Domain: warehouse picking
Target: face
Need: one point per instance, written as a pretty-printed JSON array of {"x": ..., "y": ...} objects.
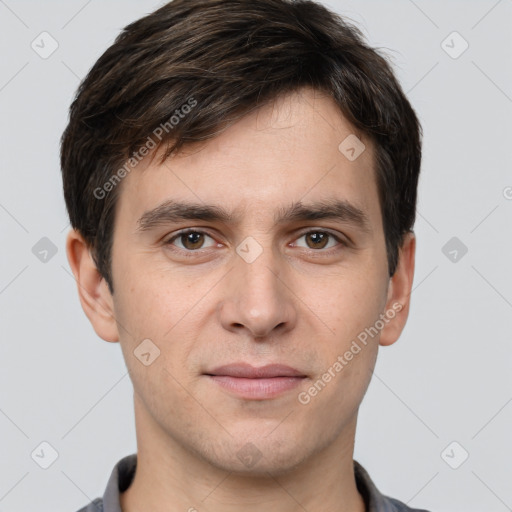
[{"x": 254, "y": 316}]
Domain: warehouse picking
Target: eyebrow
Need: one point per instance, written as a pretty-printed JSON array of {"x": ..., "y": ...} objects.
[{"x": 172, "y": 211}]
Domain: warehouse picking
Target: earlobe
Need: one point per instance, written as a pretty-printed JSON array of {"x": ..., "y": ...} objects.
[
  {"x": 94, "y": 294},
  {"x": 399, "y": 292}
]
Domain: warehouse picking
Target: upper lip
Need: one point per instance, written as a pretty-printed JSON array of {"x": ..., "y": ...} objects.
[{"x": 245, "y": 370}]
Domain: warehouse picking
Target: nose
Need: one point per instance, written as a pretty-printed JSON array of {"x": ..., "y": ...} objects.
[{"x": 258, "y": 298}]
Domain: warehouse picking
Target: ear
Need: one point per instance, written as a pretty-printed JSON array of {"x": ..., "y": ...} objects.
[
  {"x": 95, "y": 297},
  {"x": 399, "y": 292}
]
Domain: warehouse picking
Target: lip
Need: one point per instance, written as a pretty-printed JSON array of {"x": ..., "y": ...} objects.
[
  {"x": 256, "y": 383},
  {"x": 247, "y": 371}
]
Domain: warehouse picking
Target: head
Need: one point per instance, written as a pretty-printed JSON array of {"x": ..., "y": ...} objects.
[{"x": 275, "y": 132}]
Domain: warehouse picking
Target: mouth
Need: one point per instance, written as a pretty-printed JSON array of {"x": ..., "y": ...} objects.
[{"x": 253, "y": 383}]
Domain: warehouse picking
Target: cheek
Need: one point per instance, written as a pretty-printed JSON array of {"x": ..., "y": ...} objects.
[
  {"x": 353, "y": 352},
  {"x": 347, "y": 304},
  {"x": 156, "y": 330},
  {"x": 156, "y": 304},
  {"x": 349, "y": 352},
  {"x": 149, "y": 300}
]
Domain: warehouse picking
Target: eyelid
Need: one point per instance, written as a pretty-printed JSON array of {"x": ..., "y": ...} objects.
[
  {"x": 177, "y": 234},
  {"x": 335, "y": 234},
  {"x": 342, "y": 242}
]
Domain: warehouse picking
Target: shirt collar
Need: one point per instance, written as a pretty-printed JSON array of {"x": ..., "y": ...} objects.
[{"x": 120, "y": 479}]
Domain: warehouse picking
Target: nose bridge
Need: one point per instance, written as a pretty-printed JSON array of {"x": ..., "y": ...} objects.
[
  {"x": 258, "y": 300},
  {"x": 257, "y": 268}
]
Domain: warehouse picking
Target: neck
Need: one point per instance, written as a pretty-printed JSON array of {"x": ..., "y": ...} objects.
[{"x": 170, "y": 478}]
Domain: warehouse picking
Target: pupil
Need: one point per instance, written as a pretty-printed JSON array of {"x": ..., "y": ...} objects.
[
  {"x": 192, "y": 238},
  {"x": 319, "y": 238}
]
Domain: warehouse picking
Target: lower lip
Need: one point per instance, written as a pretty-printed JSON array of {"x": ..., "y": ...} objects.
[{"x": 257, "y": 389}]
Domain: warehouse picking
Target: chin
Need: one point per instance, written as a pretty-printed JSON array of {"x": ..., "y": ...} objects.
[{"x": 257, "y": 457}]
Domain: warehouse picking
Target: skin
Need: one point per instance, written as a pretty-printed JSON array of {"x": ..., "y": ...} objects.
[{"x": 298, "y": 303}]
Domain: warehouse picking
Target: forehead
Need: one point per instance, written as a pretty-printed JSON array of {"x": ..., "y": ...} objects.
[{"x": 299, "y": 148}]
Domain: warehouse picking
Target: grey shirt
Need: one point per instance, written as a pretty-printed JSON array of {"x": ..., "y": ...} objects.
[{"x": 124, "y": 471}]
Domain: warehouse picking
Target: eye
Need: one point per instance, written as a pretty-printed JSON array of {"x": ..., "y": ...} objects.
[
  {"x": 319, "y": 239},
  {"x": 191, "y": 240}
]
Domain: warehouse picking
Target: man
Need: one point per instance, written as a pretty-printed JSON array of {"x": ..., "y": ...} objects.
[{"x": 241, "y": 179}]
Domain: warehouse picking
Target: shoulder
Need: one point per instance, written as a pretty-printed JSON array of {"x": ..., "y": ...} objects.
[
  {"x": 95, "y": 506},
  {"x": 374, "y": 500},
  {"x": 398, "y": 506}
]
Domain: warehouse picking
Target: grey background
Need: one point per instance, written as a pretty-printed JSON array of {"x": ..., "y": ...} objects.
[{"x": 447, "y": 379}]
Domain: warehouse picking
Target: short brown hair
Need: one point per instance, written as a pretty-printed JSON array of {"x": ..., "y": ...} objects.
[{"x": 230, "y": 56}]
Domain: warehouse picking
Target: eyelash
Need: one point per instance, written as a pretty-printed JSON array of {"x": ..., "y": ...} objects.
[{"x": 192, "y": 253}]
